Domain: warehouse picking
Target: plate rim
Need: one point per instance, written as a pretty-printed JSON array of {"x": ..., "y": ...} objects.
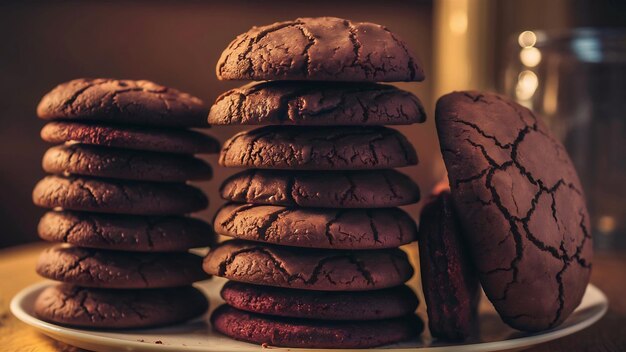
[{"x": 85, "y": 336}]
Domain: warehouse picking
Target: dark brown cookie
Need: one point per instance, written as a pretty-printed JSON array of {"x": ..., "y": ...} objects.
[
  {"x": 323, "y": 48},
  {"x": 521, "y": 206},
  {"x": 128, "y": 137},
  {"x": 319, "y": 148},
  {"x": 119, "y": 309},
  {"x": 86, "y": 160},
  {"x": 112, "y": 196},
  {"x": 317, "y": 227},
  {"x": 287, "y": 302},
  {"x": 292, "y": 267},
  {"x": 449, "y": 280},
  {"x": 112, "y": 269},
  {"x": 304, "y": 333},
  {"x": 125, "y": 232},
  {"x": 316, "y": 103},
  {"x": 122, "y": 101},
  {"x": 329, "y": 189}
]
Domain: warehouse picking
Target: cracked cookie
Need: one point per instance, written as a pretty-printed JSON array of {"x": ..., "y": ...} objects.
[
  {"x": 319, "y": 49},
  {"x": 111, "y": 269},
  {"x": 320, "y": 148},
  {"x": 305, "y": 333},
  {"x": 521, "y": 206},
  {"x": 316, "y": 104},
  {"x": 311, "y": 269},
  {"x": 86, "y": 160},
  {"x": 122, "y": 101},
  {"x": 168, "y": 140},
  {"x": 113, "y": 196},
  {"x": 328, "y": 189},
  {"x": 126, "y": 232},
  {"x": 449, "y": 281},
  {"x": 348, "y": 305},
  {"x": 316, "y": 227},
  {"x": 119, "y": 309}
]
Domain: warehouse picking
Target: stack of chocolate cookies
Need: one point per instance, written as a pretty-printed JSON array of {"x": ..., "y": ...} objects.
[
  {"x": 316, "y": 262},
  {"x": 120, "y": 196}
]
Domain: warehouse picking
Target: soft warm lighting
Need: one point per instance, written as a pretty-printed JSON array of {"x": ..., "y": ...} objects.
[
  {"x": 458, "y": 22},
  {"x": 527, "y": 39},
  {"x": 527, "y": 83},
  {"x": 530, "y": 56},
  {"x": 606, "y": 224}
]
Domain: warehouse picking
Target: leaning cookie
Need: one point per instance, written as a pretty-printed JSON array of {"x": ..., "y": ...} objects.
[
  {"x": 111, "y": 269},
  {"x": 521, "y": 207},
  {"x": 122, "y": 101},
  {"x": 316, "y": 104},
  {"x": 168, "y": 140},
  {"x": 113, "y": 196},
  {"x": 326, "y": 189},
  {"x": 449, "y": 280},
  {"x": 317, "y": 227},
  {"x": 126, "y": 232},
  {"x": 93, "y": 308},
  {"x": 323, "y": 48},
  {"x": 321, "y": 148},
  {"x": 86, "y": 160},
  {"x": 292, "y": 267},
  {"x": 304, "y": 333},
  {"x": 329, "y": 305}
]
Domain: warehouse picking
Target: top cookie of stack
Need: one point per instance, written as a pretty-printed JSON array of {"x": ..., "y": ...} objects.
[
  {"x": 321, "y": 180},
  {"x": 119, "y": 196}
]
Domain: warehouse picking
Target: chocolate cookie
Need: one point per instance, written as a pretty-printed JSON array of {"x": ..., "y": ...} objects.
[
  {"x": 449, "y": 280},
  {"x": 125, "y": 232},
  {"x": 124, "y": 197},
  {"x": 329, "y": 189},
  {"x": 304, "y": 333},
  {"x": 112, "y": 269},
  {"x": 320, "y": 148},
  {"x": 80, "y": 159},
  {"x": 323, "y": 48},
  {"x": 521, "y": 207},
  {"x": 317, "y": 227},
  {"x": 122, "y": 101},
  {"x": 310, "y": 269},
  {"x": 127, "y": 137},
  {"x": 287, "y": 302},
  {"x": 316, "y": 103},
  {"x": 118, "y": 309}
]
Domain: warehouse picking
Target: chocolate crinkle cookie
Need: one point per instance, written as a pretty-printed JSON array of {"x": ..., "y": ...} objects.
[{"x": 322, "y": 48}]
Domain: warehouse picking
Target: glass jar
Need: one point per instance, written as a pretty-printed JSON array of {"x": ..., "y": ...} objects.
[{"x": 577, "y": 81}]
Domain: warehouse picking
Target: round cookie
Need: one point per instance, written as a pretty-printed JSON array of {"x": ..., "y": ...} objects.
[
  {"x": 111, "y": 269},
  {"x": 112, "y": 196},
  {"x": 86, "y": 160},
  {"x": 125, "y": 232},
  {"x": 168, "y": 140},
  {"x": 449, "y": 280},
  {"x": 320, "y": 148},
  {"x": 118, "y": 309},
  {"x": 303, "y": 333},
  {"x": 365, "y": 305},
  {"x": 316, "y": 104},
  {"x": 122, "y": 101},
  {"x": 310, "y": 269},
  {"x": 316, "y": 227},
  {"x": 327, "y": 189},
  {"x": 521, "y": 206},
  {"x": 323, "y": 48}
]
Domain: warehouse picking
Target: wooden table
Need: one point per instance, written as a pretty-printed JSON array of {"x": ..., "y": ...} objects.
[{"x": 17, "y": 270}]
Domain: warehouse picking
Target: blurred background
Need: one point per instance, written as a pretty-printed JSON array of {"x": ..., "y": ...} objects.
[{"x": 531, "y": 50}]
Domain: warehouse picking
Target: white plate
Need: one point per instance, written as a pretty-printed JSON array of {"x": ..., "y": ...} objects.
[{"x": 197, "y": 335}]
